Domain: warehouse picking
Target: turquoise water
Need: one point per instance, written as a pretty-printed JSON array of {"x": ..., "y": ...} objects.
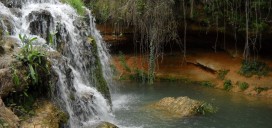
[{"x": 235, "y": 110}]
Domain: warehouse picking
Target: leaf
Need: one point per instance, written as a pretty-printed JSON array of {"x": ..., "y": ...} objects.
[
  {"x": 25, "y": 94},
  {"x": 16, "y": 79},
  {"x": 33, "y": 39},
  {"x": 32, "y": 73},
  {"x": 20, "y": 36},
  {"x": 51, "y": 38}
]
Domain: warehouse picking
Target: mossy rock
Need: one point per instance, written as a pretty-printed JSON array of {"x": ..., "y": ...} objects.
[
  {"x": 101, "y": 83},
  {"x": 183, "y": 107},
  {"x": 106, "y": 125},
  {"x": 47, "y": 115}
]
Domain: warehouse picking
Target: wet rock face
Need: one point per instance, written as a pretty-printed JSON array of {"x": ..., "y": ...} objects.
[
  {"x": 12, "y": 3},
  {"x": 7, "y": 117},
  {"x": 40, "y": 24},
  {"x": 181, "y": 106}
]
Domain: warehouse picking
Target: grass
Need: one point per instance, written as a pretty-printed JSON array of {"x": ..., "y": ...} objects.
[
  {"x": 77, "y": 5},
  {"x": 227, "y": 85},
  {"x": 243, "y": 85},
  {"x": 250, "y": 68}
]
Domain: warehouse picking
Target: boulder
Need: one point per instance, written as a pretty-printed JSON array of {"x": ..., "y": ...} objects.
[
  {"x": 106, "y": 125},
  {"x": 7, "y": 117},
  {"x": 182, "y": 106}
]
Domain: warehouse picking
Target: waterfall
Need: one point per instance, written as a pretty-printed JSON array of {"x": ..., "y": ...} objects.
[{"x": 76, "y": 88}]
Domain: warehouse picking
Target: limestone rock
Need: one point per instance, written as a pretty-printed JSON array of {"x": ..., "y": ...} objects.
[
  {"x": 7, "y": 117},
  {"x": 181, "y": 106},
  {"x": 106, "y": 125}
]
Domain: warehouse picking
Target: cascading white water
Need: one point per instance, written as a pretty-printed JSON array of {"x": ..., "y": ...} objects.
[{"x": 75, "y": 91}]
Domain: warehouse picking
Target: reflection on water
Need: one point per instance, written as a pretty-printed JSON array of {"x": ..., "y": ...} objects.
[{"x": 235, "y": 110}]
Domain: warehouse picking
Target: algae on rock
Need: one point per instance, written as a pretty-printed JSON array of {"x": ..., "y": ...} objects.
[{"x": 100, "y": 82}]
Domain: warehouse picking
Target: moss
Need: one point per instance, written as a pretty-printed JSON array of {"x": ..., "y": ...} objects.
[
  {"x": 60, "y": 116},
  {"x": 101, "y": 83}
]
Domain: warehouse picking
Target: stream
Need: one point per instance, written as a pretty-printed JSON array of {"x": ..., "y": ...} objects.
[{"x": 235, "y": 110}]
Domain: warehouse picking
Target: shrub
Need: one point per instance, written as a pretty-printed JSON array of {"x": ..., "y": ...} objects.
[
  {"x": 139, "y": 75},
  {"x": 227, "y": 85},
  {"x": 250, "y": 68},
  {"x": 207, "y": 84},
  {"x": 222, "y": 74},
  {"x": 123, "y": 62},
  {"x": 260, "y": 89},
  {"x": 243, "y": 86}
]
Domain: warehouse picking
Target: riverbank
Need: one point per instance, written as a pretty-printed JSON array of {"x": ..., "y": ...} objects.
[{"x": 202, "y": 66}]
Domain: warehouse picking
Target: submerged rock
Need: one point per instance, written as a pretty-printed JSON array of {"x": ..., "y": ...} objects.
[
  {"x": 106, "y": 125},
  {"x": 183, "y": 106},
  {"x": 7, "y": 117}
]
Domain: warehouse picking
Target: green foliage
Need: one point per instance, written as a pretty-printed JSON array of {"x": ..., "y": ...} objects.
[
  {"x": 250, "y": 68},
  {"x": 31, "y": 75},
  {"x": 261, "y": 26},
  {"x": 100, "y": 81},
  {"x": 3, "y": 124},
  {"x": 206, "y": 108},
  {"x": 122, "y": 61},
  {"x": 76, "y": 4},
  {"x": 140, "y": 5},
  {"x": 243, "y": 85},
  {"x": 260, "y": 89},
  {"x": 51, "y": 38},
  {"x": 222, "y": 74},
  {"x": 21, "y": 103},
  {"x": 207, "y": 84},
  {"x": 227, "y": 85},
  {"x": 15, "y": 77},
  {"x": 113, "y": 69},
  {"x": 139, "y": 75},
  {"x": 102, "y": 9},
  {"x": 33, "y": 58}
]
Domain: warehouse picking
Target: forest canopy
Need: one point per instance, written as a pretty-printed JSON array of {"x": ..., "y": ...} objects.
[{"x": 157, "y": 22}]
